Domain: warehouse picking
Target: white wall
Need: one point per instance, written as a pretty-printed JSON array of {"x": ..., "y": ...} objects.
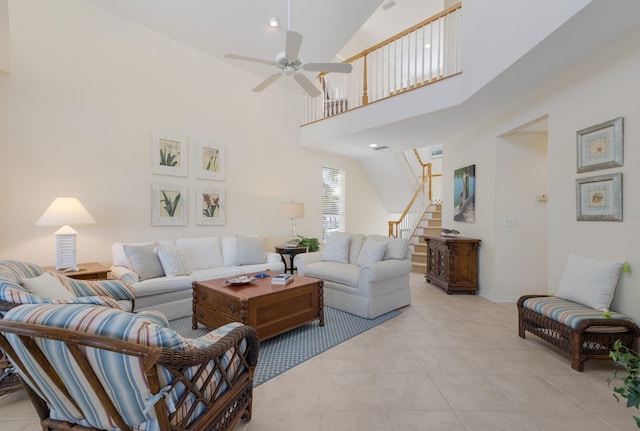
[
  {"x": 597, "y": 89},
  {"x": 4, "y": 35},
  {"x": 487, "y": 53},
  {"x": 521, "y": 175},
  {"x": 85, "y": 92}
]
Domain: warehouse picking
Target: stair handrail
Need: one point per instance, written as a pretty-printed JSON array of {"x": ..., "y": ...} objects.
[
  {"x": 363, "y": 85},
  {"x": 393, "y": 224}
]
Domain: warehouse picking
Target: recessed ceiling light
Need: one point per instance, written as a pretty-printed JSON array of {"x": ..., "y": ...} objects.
[
  {"x": 373, "y": 145},
  {"x": 427, "y": 46},
  {"x": 273, "y": 21}
]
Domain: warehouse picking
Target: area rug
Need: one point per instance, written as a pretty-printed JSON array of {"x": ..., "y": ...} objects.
[{"x": 285, "y": 351}]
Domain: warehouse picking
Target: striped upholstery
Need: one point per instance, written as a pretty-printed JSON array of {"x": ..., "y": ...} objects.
[
  {"x": 567, "y": 312},
  {"x": 97, "y": 292},
  {"x": 121, "y": 375}
]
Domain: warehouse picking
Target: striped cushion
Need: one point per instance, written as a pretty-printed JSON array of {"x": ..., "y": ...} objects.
[
  {"x": 121, "y": 375},
  {"x": 97, "y": 292},
  {"x": 566, "y": 312}
]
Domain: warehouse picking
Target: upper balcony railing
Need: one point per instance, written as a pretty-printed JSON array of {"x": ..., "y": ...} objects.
[{"x": 425, "y": 53}]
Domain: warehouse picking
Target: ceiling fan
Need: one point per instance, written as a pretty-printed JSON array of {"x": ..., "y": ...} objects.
[{"x": 290, "y": 64}]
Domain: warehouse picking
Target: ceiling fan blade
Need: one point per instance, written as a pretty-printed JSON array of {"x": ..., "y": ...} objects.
[
  {"x": 267, "y": 82},
  {"x": 292, "y": 45},
  {"x": 307, "y": 85},
  {"x": 253, "y": 59},
  {"x": 328, "y": 67}
]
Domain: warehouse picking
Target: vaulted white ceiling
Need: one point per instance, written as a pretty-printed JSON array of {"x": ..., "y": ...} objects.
[{"x": 329, "y": 27}]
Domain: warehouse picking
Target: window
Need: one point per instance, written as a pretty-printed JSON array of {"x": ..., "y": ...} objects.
[{"x": 333, "y": 187}]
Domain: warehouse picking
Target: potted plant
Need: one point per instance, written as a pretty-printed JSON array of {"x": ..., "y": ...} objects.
[
  {"x": 312, "y": 244},
  {"x": 630, "y": 388}
]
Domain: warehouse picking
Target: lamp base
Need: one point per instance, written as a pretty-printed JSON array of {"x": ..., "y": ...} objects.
[{"x": 66, "y": 250}]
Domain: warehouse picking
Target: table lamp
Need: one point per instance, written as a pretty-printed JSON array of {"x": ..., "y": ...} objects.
[
  {"x": 65, "y": 211},
  {"x": 292, "y": 210}
]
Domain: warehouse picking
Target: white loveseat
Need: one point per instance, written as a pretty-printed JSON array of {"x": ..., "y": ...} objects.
[
  {"x": 162, "y": 272},
  {"x": 363, "y": 275}
]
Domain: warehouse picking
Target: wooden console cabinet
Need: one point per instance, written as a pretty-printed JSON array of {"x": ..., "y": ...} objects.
[{"x": 452, "y": 263}]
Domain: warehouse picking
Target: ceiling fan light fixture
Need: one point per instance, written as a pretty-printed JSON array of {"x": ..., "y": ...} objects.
[{"x": 273, "y": 21}]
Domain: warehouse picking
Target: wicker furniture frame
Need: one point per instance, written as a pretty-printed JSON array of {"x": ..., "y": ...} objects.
[
  {"x": 579, "y": 343},
  {"x": 221, "y": 413},
  {"x": 9, "y": 380}
]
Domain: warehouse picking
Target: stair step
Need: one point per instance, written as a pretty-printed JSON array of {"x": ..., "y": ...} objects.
[
  {"x": 419, "y": 267},
  {"x": 420, "y": 248},
  {"x": 418, "y": 257}
]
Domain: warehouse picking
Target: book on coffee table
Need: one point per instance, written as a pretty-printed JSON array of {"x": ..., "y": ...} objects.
[{"x": 281, "y": 279}]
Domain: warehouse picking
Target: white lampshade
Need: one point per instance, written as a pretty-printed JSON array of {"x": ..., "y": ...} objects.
[
  {"x": 292, "y": 210},
  {"x": 65, "y": 211}
]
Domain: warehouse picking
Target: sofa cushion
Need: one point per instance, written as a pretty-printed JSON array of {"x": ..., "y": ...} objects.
[
  {"x": 567, "y": 312},
  {"x": 335, "y": 272},
  {"x": 47, "y": 285},
  {"x": 336, "y": 248},
  {"x": 173, "y": 260},
  {"x": 590, "y": 282},
  {"x": 397, "y": 248},
  {"x": 371, "y": 251},
  {"x": 144, "y": 260},
  {"x": 159, "y": 285},
  {"x": 251, "y": 250},
  {"x": 119, "y": 257},
  {"x": 355, "y": 245},
  {"x": 202, "y": 252}
]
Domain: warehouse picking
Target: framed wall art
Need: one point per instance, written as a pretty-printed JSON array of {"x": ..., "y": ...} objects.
[
  {"x": 168, "y": 205},
  {"x": 210, "y": 206},
  {"x": 600, "y": 146},
  {"x": 210, "y": 162},
  {"x": 435, "y": 152},
  {"x": 169, "y": 155},
  {"x": 464, "y": 194},
  {"x": 599, "y": 198}
]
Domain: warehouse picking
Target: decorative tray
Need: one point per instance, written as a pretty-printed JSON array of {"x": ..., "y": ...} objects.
[{"x": 239, "y": 281}]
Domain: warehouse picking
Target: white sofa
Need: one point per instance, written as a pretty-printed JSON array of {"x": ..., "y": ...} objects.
[
  {"x": 162, "y": 272},
  {"x": 363, "y": 275}
]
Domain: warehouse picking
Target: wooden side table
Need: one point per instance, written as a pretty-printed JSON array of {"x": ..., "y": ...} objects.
[
  {"x": 88, "y": 271},
  {"x": 452, "y": 263},
  {"x": 292, "y": 252}
]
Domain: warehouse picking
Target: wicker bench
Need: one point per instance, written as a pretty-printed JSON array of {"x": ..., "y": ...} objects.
[{"x": 582, "y": 332}]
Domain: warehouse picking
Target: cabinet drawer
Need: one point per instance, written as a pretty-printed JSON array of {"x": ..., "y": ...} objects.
[{"x": 223, "y": 304}]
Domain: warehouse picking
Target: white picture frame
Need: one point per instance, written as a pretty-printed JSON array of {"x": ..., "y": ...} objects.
[
  {"x": 211, "y": 161},
  {"x": 168, "y": 204},
  {"x": 210, "y": 206},
  {"x": 169, "y": 154}
]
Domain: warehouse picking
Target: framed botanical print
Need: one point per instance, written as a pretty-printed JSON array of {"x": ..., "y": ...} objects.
[
  {"x": 210, "y": 206},
  {"x": 168, "y": 205},
  {"x": 169, "y": 155},
  {"x": 210, "y": 162}
]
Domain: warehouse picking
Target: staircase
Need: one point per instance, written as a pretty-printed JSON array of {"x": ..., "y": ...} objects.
[{"x": 430, "y": 224}]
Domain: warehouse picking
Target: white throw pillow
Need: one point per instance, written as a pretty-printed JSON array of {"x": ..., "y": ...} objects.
[
  {"x": 371, "y": 251},
  {"x": 202, "y": 253},
  {"x": 47, "y": 285},
  {"x": 336, "y": 249},
  {"x": 144, "y": 261},
  {"x": 590, "y": 282},
  {"x": 173, "y": 260},
  {"x": 251, "y": 250}
]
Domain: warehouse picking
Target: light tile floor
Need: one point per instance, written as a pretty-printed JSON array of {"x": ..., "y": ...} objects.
[{"x": 448, "y": 362}]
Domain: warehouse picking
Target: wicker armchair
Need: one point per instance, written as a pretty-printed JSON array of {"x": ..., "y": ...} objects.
[
  {"x": 92, "y": 368},
  {"x": 112, "y": 293}
]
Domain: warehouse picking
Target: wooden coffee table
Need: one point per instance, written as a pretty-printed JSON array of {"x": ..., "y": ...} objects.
[{"x": 271, "y": 309}]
